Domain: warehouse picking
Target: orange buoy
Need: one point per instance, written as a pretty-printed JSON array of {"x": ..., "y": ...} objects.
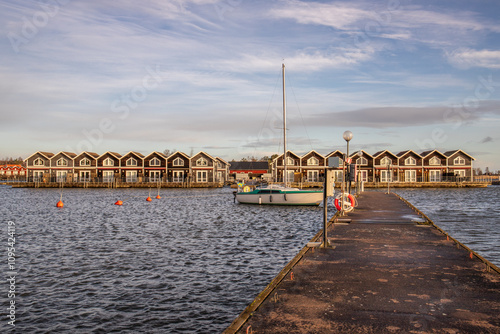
[
  {"x": 158, "y": 196},
  {"x": 118, "y": 202},
  {"x": 60, "y": 204},
  {"x": 148, "y": 199}
]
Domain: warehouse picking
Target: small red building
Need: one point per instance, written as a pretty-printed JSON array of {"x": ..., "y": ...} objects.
[{"x": 12, "y": 171}]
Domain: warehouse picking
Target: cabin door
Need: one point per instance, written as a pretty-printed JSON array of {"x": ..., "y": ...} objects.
[
  {"x": 178, "y": 176},
  {"x": 434, "y": 176},
  {"x": 107, "y": 176},
  {"x": 154, "y": 176},
  {"x": 84, "y": 176},
  {"x": 61, "y": 175},
  {"x": 385, "y": 176},
  {"x": 201, "y": 176},
  {"x": 37, "y": 175},
  {"x": 312, "y": 176},
  {"x": 363, "y": 175},
  {"x": 131, "y": 176},
  {"x": 410, "y": 176}
]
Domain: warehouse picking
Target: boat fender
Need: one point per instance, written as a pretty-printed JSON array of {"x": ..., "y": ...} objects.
[
  {"x": 284, "y": 195},
  {"x": 260, "y": 200},
  {"x": 270, "y": 198}
]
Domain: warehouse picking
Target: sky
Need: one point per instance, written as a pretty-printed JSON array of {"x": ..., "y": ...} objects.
[{"x": 205, "y": 75}]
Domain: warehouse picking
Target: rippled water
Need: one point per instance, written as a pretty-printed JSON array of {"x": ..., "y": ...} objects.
[
  {"x": 470, "y": 215},
  {"x": 187, "y": 263}
]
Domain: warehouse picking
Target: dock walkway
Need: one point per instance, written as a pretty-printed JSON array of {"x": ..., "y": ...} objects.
[{"x": 387, "y": 274}]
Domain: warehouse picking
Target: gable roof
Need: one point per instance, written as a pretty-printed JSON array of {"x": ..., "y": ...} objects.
[
  {"x": 114, "y": 154},
  {"x": 400, "y": 154},
  {"x": 156, "y": 152},
  {"x": 313, "y": 151},
  {"x": 379, "y": 153},
  {"x": 450, "y": 153},
  {"x": 137, "y": 154},
  {"x": 91, "y": 154},
  {"x": 205, "y": 153},
  {"x": 179, "y": 152},
  {"x": 46, "y": 155},
  {"x": 425, "y": 154},
  {"x": 70, "y": 155},
  {"x": 362, "y": 151},
  {"x": 334, "y": 152}
]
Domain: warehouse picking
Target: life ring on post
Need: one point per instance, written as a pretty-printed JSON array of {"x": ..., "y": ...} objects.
[{"x": 347, "y": 206}]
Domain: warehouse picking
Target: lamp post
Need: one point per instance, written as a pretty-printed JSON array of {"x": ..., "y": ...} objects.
[{"x": 347, "y": 137}]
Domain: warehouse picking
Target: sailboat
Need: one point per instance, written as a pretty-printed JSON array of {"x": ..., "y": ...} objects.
[{"x": 280, "y": 194}]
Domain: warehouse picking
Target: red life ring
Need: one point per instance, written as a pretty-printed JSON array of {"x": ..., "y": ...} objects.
[{"x": 337, "y": 202}]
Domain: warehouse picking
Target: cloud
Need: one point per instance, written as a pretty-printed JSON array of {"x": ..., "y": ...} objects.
[
  {"x": 394, "y": 117},
  {"x": 487, "y": 139},
  {"x": 465, "y": 58}
]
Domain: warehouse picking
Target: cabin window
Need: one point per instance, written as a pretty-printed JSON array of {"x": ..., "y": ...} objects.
[
  {"x": 459, "y": 161},
  {"x": 410, "y": 161},
  {"x": 385, "y": 161},
  {"x": 289, "y": 161},
  {"x": 178, "y": 162},
  {"x": 362, "y": 161},
  {"x": 219, "y": 165},
  {"x": 155, "y": 162},
  {"x": 38, "y": 162},
  {"x": 85, "y": 162},
  {"x": 131, "y": 162},
  {"x": 62, "y": 162},
  {"x": 202, "y": 162},
  {"x": 435, "y": 161},
  {"x": 108, "y": 162},
  {"x": 312, "y": 161}
]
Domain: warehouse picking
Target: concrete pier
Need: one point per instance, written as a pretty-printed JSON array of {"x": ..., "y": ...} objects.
[{"x": 391, "y": 271}]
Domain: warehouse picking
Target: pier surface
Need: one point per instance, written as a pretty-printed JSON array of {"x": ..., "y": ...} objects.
[{"x": 387, "y": 274}]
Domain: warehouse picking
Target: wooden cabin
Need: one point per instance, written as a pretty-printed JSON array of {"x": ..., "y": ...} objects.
[
  {"x": 85, "y": 166},
  {"x": 155, "y": 167},
  {"x": 178, "y": 167}
]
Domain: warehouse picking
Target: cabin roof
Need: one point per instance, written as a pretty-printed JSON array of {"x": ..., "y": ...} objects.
[{"x": 450, "y": 153}]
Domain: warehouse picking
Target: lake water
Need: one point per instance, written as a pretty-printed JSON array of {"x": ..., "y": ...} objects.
[{"x": 189, "y": 262}]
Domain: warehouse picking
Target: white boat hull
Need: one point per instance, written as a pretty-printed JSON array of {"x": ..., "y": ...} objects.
[{"x": 281, "y": 198}]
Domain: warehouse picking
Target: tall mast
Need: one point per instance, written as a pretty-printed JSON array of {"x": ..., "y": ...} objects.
[{"x": 284, "y": 127}]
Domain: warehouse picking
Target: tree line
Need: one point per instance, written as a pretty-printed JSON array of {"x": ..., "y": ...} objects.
[{"x": 11, "y": 161}]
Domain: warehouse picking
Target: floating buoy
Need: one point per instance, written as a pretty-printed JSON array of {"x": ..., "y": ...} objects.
[
  {"x": 60, "y": 204},
  {"x": 118, "y": 202},
  {"x": 158, "y": 196},
  {"x": 148, "y": 199}
]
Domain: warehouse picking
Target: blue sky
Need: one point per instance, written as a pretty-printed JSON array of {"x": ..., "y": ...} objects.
[{"x": 196, "y": 75}]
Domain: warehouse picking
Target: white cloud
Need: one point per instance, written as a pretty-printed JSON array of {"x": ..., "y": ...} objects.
[{"x": 464, "y": 58}]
